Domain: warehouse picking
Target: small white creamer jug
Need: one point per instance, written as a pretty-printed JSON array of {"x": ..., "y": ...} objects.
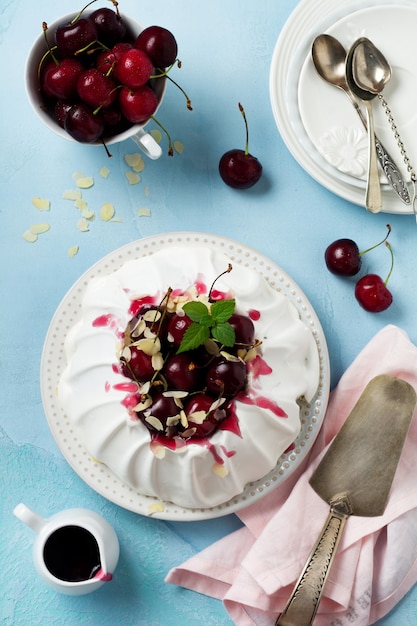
[{"x": 76, "y": 551}]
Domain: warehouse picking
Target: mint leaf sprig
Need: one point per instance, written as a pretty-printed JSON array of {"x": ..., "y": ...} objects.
[{"x": 208, "y": 323}]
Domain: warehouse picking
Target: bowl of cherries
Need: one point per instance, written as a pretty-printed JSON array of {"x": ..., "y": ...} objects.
[{"x": 98, "y": 77}]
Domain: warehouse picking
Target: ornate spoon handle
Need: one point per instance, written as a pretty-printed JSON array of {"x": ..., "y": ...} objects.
[{"x": 386, "y": 161}]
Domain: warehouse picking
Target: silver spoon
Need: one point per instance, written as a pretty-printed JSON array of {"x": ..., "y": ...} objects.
[
  {"x": 365, "y": 62},
  {"x": 329, "y": 58}
]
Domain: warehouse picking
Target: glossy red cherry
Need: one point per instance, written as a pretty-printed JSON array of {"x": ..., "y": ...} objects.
[
  {"x": 226, "y": 377},
  {"x": 111, "y": 28},
  {"x": 96, "y": 89},
  {"x": 159, "y": 44},
  {"x": 342, "y": 257},
  {"x": 137, "y": 105},
  {"x": 76, "y": 36},
  {"x": 133, "y": 69},
  {"x": 201, "y": 403},
  {"x": 238, "y": 168},
  {"x": 82, "y": 124},
  {"x": 59, "y": 80},
  {"x": 372, "y": 292}
]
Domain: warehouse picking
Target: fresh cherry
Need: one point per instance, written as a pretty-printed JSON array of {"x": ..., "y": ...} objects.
[
  {"x": 201, "y": 403},
  {"x": 177, "y": 326},
  {"x": 59, "y": 79},
  {"x": 238, "y": 168},
  {"x": 60, "y": 111},
  {"x": 110, "y": 26},
  {"x": 82, "y": 124},
  {"x": 133, "y": 69},
  {"x": 159, "y": 44},
  {"x": 139, "y": 365},
  {"x": 96, "y": 89},
  {"x": 343, "y": 258},
  {"x": 107, "y": 59},
  {"x": 76, "y": 36},
  {"x": 372, "y": 292},
  {"x": 244, "y": 329},
  {"x": 137, "y": 105},
  {"x": 162, "y": 408},
  {"x": 226, "y": 377},
  {"x": 181, "y": 372}
]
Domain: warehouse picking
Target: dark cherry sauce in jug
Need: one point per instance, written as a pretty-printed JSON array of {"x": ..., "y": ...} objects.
[{"x": 71, "y": 553}]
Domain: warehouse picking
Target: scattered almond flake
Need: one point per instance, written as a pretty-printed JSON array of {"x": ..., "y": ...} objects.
[
  {"x": 157, "y": 361},
  {"x": 133, "y": 159},
  {"x": 198, "y": 417},
  {"x": 72, "y": 194},
  {"x": 153, "y": 315},
  {"x": 29, "y": 237},
  {"x": 42, "y": 204},
  {"x": 157, "y": 450},
  {"x": 83, "y": 225},
  {"x": 229, "y": 357},
  {"x": 155, "y": 422},
  {"x": 250, "y": 354},
  {"x": 89, "y": 215},
  {"x": 93, "y": 458},
  {"x": 147, "y": 192},
  {"x": 156, "y": 134},
  {"x": 81, "y": 204},
  {"x": 179, "y": 147},
  {"x": 142, "y": 406},
  {"x": 38, "y": 229},
  {"x": 85, "y": 183},
  {"x": 144, "y": 212},
  {"x": 104, "y": 172},
  {"x": 175, "y": 393},
  {"x": 173, "y": 420},
  {"x": 73, "y": 251},
  {"x": 220, "y": 470},
  {"x": 183, "y": 419},
  {"x": 145, "y": 388},
  {"x": 116, "y": 219},
  {"x": 186, "y": 434},
  {"x": 139, "y": 166},
  {"x": 133, "y": 178},
  {"x": 157, "y": 507},
  {"x": 107, "y": 212},
  {"x": 149, "y": 346}
]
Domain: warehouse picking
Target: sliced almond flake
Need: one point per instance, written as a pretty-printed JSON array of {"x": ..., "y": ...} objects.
[
  {"x": 154, "y": 421},
  {"x": 42, "y": 204},
  {"x": 156, "y": 134},
  {"x": 83, "y": 225},
  {"x": 142, "y": 406},
  {"x": 153, "y": 315},
  {"x": 186, "y": 434},
  {"x": 211, "y": 347},
  {"x": 183, "y": 419},
  {"x": 173, "y": 420},
  {"x": 132, "y": 159},
  {"x": 149, "y": 346},
  {"x": 87, "y": 214},
  {"x": 116, "y": 219},
  {"x": 144, "y": 212},
  {"x": 73, "y": 251},
  {"x": 216, "y": 404},
  {"x": 72, "y": 194},
  {"x": 145, "y": 388},
  {"x": 198, "y": 417},
  {"x": 175, "y": 393},
  {"x": 126, "y": 354},
  {"x": 147, "y": 192},
  {"x": 229, "y": 357},
  {"x": 220, "y": 470},
  {"x": 85, "y": 183},
  {"x": 133, "y": 178},
  {"x": 38, "y": 229},
  {"x": 157, "y": 507},
  {"x": 29, "y": 237},
  {"x": 80, "y": 203},
  {"x": 104, "y": 172},
  {"x": 139, "y": 166},
  {"x": 157, "y": 361},
  {"x": 179, "y": 147},
  {"x": 107, "y": 212},
  {"x": 251, "y": 354},
  {"x": 157, "y": 450}
]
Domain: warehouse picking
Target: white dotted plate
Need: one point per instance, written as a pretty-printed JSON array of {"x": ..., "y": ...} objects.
[{"x": 99, "y": 476}]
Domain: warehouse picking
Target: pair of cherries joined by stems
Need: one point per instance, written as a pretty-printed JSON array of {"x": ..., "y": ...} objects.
[{"x": 343, "y": 258}]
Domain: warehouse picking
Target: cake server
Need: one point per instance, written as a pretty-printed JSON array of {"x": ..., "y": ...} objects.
[{"x": 354, "y": 478}]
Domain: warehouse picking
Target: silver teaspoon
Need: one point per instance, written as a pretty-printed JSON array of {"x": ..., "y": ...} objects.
[
  {"x": 374, "y": 72},
  {"x": 329, "y": 58}
]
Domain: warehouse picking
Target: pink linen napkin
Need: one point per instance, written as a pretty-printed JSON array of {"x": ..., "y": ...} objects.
[{"x": 254, "y": 569}]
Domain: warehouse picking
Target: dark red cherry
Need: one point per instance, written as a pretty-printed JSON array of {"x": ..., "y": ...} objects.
[
  {"x": 96, "y": 89},
  {"x": 61, "y": 109},
  {"x": 201, "y": 403},
  {"x": 177, "y": 326},
  {"x": 226, "y": 377},
  {"x": 110, "y": 26},
  {"x": 372, "y": 293},
  {"x": 181, "y": 373},
  {"x": 139, "y": 366},
  {"x": 244, "y": 329},
  {"x": 162, "y": 408},
  {"x": 137, "y": 105},
  {"x": 76, "y": 36},
  {"x": 343, "y": 258},
  {"x": 59, "y": 80},
  {"x": 133, "y": 69},
  {"x": 82, "y": 124},
  {"x": 159, "y": 44}
]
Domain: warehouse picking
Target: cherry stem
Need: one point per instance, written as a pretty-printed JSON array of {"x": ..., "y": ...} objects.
[
  {"x": 170, "y": 148},
  {"x": 378, "y": 244},
  {"x": 242, "y": 110},
  {"x": 229, "y": 269},
  {"x": 74, "y": 19},
  {"x": 392, "y": 263},
  {"x": 189, "y": 107},
  {"x": 49, "y": 51}
]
